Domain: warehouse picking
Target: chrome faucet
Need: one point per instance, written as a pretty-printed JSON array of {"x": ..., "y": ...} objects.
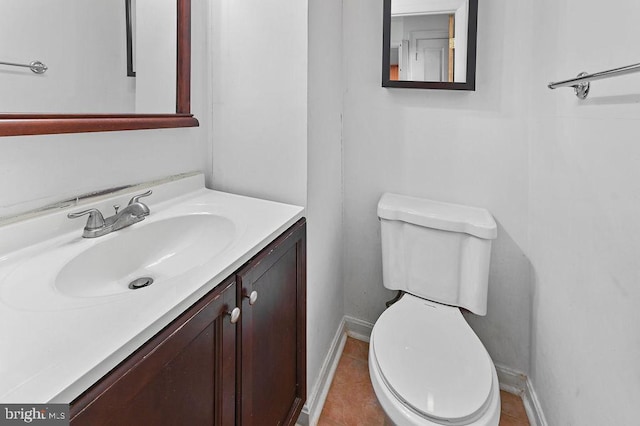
[{"x": 98, "y": 226}]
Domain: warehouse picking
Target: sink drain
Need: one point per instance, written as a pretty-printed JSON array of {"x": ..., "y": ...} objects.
[{"x": 140, "y": 282}]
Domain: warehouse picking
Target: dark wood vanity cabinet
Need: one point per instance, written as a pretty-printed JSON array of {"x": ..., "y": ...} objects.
[
  {"x": 272, "y": 377},
  {"x": 204, "y": 370},
  {"x": 183, "y": 375}
]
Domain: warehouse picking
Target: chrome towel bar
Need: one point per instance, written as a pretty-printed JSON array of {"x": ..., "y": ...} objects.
[
  {"x": 35, "y": 66},
  {"x": 581, "y": 82}
]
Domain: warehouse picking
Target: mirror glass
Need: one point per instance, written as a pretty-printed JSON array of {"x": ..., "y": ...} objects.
[
  {"x": 101, "y": 56},
  {"x": 430, "y": 44}
]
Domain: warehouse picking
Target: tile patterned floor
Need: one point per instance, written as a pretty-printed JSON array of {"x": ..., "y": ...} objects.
[{"x": 352, "y": 402}]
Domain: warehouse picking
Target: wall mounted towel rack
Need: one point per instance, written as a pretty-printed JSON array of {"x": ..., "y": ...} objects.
[
  {"x": 35, "y": 66},
  {"x": 581, "y": 82}
]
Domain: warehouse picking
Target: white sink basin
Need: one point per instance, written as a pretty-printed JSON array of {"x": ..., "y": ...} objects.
[
  {"x": 81, "y": 272},
  {"x": 160, "y": 250}
]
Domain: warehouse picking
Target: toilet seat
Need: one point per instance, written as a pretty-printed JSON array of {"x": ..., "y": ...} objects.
[{"x": 432, "y": 364}]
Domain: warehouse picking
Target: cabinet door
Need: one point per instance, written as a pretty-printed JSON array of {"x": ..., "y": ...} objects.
[
  {"x": 272, "y": 376},
  {"x": 185, "y": 375}
]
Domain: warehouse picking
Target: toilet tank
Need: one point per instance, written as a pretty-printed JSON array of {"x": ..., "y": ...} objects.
[{"x": 437, "y": 251}]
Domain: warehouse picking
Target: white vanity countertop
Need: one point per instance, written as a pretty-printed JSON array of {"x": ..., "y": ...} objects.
[{"x": 54, "y": 346}]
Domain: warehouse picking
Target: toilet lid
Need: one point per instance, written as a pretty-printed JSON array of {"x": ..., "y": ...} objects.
[{"x": 431, "y": 359}]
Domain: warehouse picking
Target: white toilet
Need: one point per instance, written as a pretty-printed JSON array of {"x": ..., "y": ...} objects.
[{"x": 426, "y": 364}]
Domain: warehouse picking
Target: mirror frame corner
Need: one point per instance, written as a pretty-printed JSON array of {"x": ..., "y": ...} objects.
[
  {"x": 472, "y": 36},
  {"x": 12, "y": 124}
]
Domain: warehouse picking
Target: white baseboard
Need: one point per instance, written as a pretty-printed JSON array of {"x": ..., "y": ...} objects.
[
  {"x": 518, "y": 383},
  {"x": 511, "y": 380},
  {"x": 315, "y": 402},
  {"x": 358, "y": 329},
  {"x": 532, "y": 406}
]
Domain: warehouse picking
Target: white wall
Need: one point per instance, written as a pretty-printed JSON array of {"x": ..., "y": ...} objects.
[
  {"x": 585, "y": 206},
  {"x": 468, "y": 148},
  {"x": 36, "y": 170},
  {"x": 260, "y": 98},
  {"x": 156, "y": 26},
  {"x": 83, "y": 45},
  {"x": 325, "y": 292},
  {"x": 412, "y": 7}
]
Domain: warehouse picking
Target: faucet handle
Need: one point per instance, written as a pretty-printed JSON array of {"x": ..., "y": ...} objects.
[
  {"x": 95, "y": 221},
  {"x": 136, "y": 198}
]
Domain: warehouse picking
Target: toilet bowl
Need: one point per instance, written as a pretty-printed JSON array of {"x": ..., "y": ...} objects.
[
  {"x": 426, "y": 364},
  {"x": 428, "y": 367}
]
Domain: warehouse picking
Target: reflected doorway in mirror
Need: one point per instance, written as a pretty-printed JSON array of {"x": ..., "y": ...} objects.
[{"x": 429, "y": 44}]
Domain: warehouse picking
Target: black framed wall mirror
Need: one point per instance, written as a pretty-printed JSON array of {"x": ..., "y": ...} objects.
[
  {"x": 430, "y": 44},
  {"x": 87, "y": 85}
]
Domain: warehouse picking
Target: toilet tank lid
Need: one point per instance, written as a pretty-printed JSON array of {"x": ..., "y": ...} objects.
[{"x": 438, "y": 215}]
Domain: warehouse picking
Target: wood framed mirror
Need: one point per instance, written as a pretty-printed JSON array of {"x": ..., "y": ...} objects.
[
  {"x": 37, "y": 123},
  {"x": 430, "y": 44}
]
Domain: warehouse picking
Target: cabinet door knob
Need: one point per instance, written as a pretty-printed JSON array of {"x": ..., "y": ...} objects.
[
  {"x": 253, "y": 297},
  {"x": 234, "y": 314}
]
